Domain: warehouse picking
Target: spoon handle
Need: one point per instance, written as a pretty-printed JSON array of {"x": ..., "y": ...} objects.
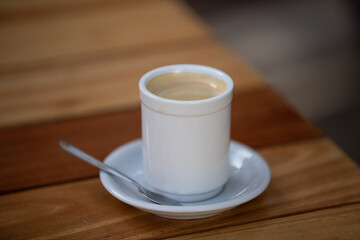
[{"x": 93, "y": 161}]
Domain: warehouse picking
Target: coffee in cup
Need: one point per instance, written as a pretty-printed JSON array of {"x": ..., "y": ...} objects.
[{"x": 185, "y": 86}]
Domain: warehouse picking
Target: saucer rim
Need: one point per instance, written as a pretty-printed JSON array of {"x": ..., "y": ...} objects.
[{"x": 219, "y": 206}]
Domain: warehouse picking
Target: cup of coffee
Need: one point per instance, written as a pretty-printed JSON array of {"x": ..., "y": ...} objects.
[{"x": 185, "y": 111}]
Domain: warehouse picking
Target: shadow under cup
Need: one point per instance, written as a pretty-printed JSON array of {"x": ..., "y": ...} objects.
[{"x": 186, "y": 142}]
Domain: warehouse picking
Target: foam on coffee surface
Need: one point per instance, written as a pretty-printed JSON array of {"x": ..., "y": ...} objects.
[{"x": 186, "y": 86}]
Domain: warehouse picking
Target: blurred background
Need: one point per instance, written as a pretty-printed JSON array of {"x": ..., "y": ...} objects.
[{"x": 305, "y": 50}]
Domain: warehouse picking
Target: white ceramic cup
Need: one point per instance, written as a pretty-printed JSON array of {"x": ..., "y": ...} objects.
[{"x": 186, "y": 143}]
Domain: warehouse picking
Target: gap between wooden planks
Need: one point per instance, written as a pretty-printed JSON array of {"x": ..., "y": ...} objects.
[
  {"x": 306, "y": 176},
  {"x": 30, "y": 156}
]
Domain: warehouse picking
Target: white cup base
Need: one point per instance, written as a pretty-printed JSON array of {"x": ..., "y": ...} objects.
[{"x": 192, "y": 197}]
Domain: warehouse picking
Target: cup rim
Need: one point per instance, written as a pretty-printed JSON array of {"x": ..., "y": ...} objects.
[
  {"x": 186, "y": 107},
  {"x": 190, "y": 68}
]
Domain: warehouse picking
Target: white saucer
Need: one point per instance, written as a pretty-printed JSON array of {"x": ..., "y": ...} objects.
[{"x": 250, "y": 175}]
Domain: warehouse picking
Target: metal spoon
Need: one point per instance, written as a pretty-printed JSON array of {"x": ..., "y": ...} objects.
[{"x": 154, "y": 197}]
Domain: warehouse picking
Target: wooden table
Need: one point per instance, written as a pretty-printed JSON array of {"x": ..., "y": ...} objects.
[{"x": 70, "y": 70}]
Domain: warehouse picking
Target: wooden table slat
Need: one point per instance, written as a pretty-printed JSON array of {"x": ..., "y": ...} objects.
[
  {"x": 30, "y": 38},
  {"x": 32, "y": 8},
  {"x": 334, "y": 223},
  {"x": 107, "y": 83},
  {"x": 259, "y": 118},
  {"x": 318, "y": 175}
]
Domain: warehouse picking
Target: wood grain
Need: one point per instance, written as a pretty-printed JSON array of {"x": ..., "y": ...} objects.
[
  {"x": 259, "y": 118},
  {"x": 306, "y": 176},
  {"x": 334, "y": 223},
  {"x": 106, "y": 83},
  {"x": 32, "y": 38},
  {"x": 31, "y": 8}
]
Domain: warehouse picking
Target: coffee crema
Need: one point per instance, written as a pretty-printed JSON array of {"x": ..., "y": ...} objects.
[{"x": 186, "y": 86}]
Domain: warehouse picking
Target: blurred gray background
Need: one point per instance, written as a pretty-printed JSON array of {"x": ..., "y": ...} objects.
[{"x": 307, "y": 51}]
